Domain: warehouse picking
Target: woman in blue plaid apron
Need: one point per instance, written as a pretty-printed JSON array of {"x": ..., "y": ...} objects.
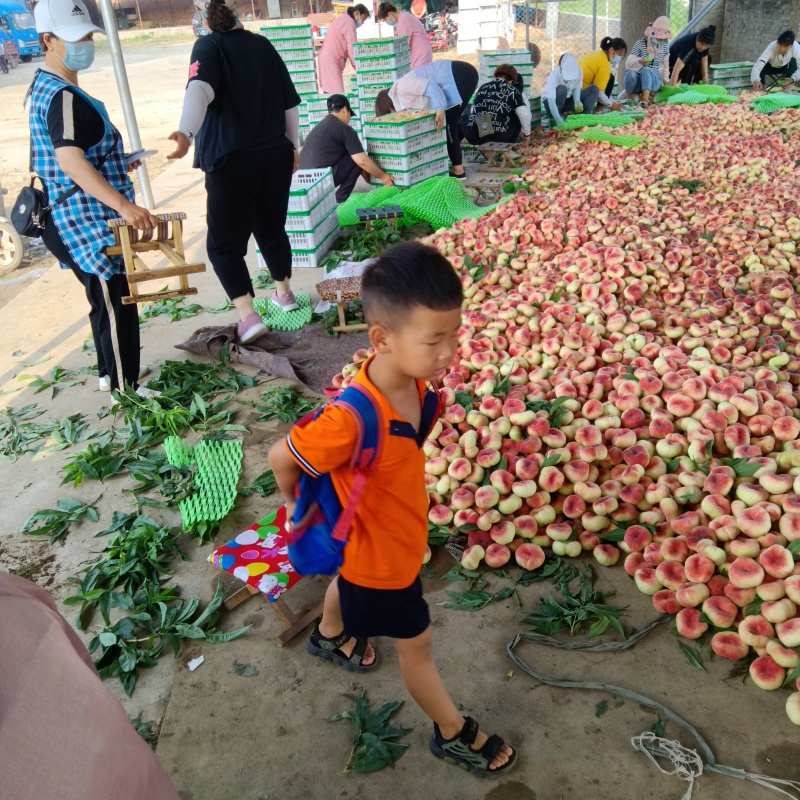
[{"x": 73, "y": 142}]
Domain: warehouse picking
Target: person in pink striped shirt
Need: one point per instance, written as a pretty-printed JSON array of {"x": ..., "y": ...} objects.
[
  {"x": 406, "y": 24},
  {"x": 337, "y": 49}
]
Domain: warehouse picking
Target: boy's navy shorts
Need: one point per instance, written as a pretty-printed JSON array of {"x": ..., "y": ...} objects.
[{"x": 397, "y": 613}]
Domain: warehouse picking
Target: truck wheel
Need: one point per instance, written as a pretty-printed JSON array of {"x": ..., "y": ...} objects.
[
  {"x": 26, "y": 59},
  {"x": 12, "y": 248}
]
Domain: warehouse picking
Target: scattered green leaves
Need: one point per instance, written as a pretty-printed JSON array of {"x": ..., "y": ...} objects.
[
  {"x": 353, "y": 315},
  {"x": 264, "y": 485},
  {"x": 263, "y": 280},
  {"x": 742, "y": 467},
  {"x": 283, "y": 402},
  {"x": 172, "y": 307},
  {"x": 56, "y": 522},
  {"x": 375, "y": 744},
  {"x": 475, "y": 599},
  {"x": 465, "y": 400},
  {"x": 692, "y": 656},
  {"x": 657, "y": 728},
  {"x": 138, "y": 639},
  {"x": 59, "y": 378}
]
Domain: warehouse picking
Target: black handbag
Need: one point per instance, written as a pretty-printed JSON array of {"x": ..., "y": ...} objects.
[{"x": 30, "y": 210}]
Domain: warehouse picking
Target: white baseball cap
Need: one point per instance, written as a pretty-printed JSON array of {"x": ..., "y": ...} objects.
[
  {"x": 67, "y": 19},
  {"x": 570, "y": 68}
]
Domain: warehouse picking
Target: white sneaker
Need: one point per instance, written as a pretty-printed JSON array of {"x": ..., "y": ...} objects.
[
  {"x": 104, "y": 382},
  {"x": 147, "y": 394}
]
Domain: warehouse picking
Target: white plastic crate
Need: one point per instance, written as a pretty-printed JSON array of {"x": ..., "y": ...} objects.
[
  {"x": 418, "y": 174},
  {"x": 309, "y": 240},
  {"x": 306, "y": 89},
  {"x": 299, "y": 63},
  {"x": 412, "y": 160},
  {"x": 400, "y": 125},
  {"x": 372, "y": 91},
  {"x": 306, "y": 222},
  {"x": 308, "y": 187},
  {"x": 292, "y": 49},
  {"x": 382, "y": 62},
  {"x": 380, "y": 47},
  {"x": 404, "y": 147},
  {"x": 310, "y": 259},
  {"x": 381, "y": 77},
  {"x": 316, "y": 102},
  {"x": 316, "y": 116},
  {"x": 299, "y": 31}
]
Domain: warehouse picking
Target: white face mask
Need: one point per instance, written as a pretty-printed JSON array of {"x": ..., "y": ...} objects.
[{"x": 78, "y": 55}]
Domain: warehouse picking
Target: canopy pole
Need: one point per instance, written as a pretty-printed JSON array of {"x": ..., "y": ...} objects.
[{"x": 124, "y": 89}]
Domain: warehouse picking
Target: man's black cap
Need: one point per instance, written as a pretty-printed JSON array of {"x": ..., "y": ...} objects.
[{"x": 337, "y": 101}]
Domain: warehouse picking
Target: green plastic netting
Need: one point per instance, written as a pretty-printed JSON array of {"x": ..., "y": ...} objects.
[
  {"x": 280, "y": 320},
  {"x": 614, "y": 119},
  {"x": 693, "y": 98},
  {"x": 596, "y": 135},
  {"x": 766, "y": 104},
  {"x": 665, "y": 92},
  {"x": 441, "y": 202},
  {"x": 215, "y": 478},
  {"x": 710, "y": 89}
]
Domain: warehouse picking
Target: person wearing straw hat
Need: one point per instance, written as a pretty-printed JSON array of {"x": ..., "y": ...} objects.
[
  {"x": 337, "y": 48},
  {"x": 562, "y": 92},
  {"x": 647, "y": 66},
  {"x": 78, "y": 154},
  {"x": 405, "y": 23}
]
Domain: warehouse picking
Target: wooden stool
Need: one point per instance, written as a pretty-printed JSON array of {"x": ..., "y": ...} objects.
[
  {"x": 389, "y": 213},
  {"x": 293, "y": 623},
  {"x": 488, "y": 187},
  {"x": 500, "y": 157},
  {"x": 166, "y": 239}
]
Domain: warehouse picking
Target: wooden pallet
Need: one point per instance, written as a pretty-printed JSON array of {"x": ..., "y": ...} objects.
[
  {"x": 293, "y": 623},
  {"x": 166, "y": 239}
]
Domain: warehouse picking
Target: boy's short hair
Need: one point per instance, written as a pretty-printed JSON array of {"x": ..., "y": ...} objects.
[
  {"x": 407, "y": 275},
  {"x": 786, "y": 38}
]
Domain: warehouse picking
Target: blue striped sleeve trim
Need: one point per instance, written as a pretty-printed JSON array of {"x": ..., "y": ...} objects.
[{"x": 303, "y": 462}]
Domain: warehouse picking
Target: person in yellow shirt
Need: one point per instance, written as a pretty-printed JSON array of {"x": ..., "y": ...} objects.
[{"x": 598, "y": 78}]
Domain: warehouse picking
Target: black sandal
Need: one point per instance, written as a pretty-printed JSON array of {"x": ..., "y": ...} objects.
[
  {"x": 458, "y": 750},
  {"x": 328, "y": 649}
]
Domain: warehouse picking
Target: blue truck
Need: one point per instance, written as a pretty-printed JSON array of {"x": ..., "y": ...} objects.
[{"x": 16, "y": 24}]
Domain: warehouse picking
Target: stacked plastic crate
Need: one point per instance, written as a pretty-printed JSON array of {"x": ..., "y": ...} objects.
[
  {"x": 481, "y": 23},
  {"x": 407, "y": 145},
  {"x": 314, "y": 109},
  {"x": 295, "y": 45},
  {"x": 312, "y": 222},
  {"x": 734, "y": 77},
  {"x": 520, "y": 59},
  {"x": 379, "y": 63}
]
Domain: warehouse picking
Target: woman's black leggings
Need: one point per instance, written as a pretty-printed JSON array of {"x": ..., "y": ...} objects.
[
  {"x": 248, "y": 196},
  {"x": 466, "y": 78}
]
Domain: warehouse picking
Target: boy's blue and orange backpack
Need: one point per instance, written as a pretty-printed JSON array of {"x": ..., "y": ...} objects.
[{"x": 320, "y": 525}]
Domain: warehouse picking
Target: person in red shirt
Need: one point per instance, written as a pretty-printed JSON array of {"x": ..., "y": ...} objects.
[{"x": 412, "y": 302}]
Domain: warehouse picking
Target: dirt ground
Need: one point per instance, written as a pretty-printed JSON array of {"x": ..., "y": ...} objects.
[{"x": 265, "y": 737}]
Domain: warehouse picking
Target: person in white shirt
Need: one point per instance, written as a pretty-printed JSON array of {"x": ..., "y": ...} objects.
[
  {"x": 782, "y": 57},
  {"x": 562, "y": 92}
]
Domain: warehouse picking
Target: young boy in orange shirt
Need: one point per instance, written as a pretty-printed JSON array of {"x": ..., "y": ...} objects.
[{"x": 412, "y": 301}]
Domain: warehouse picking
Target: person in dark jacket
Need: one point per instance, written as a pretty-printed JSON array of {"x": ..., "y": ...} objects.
[
  {"x": 241, "y": 111},
  {"x": 499, "y": 113},
  {"x": 689, "y": 58}
]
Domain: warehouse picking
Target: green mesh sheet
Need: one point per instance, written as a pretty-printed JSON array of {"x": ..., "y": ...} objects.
[
  {"x": 440, "y": 202},
  {"x": 693, "y": 98},
  {"x": 614, "y": 119},
  {"x": 710, "y": 89},
  {"x": 665, "y": 92},
  {"x": 596, "y": 135},
  {"x": 766, "y": 104},
  {"x": 280, "y": 320},
  {"x": 215, "y": 477}
]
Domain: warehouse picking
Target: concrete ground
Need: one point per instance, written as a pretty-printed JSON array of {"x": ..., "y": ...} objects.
[{"x": 268, "y": 736}]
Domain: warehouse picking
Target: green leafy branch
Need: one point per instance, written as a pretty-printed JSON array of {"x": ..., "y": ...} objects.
[
  {"x": 56, "y": 522},
  {"x": 375, "y": 744}
]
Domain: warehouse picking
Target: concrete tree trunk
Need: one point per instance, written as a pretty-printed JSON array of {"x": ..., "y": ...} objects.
[{"x": 635, "y": 16}]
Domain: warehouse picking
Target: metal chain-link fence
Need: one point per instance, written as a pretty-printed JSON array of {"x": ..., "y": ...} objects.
[{"x": 556, "y": 27}]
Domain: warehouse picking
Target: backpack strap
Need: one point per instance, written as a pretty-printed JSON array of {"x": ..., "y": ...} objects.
[
  {"x": 360, "y": 402},
  {"x": 432, "y": 409}
]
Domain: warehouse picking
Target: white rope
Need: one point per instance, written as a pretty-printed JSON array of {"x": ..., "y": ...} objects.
[{"x": 686, "y": 764}]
